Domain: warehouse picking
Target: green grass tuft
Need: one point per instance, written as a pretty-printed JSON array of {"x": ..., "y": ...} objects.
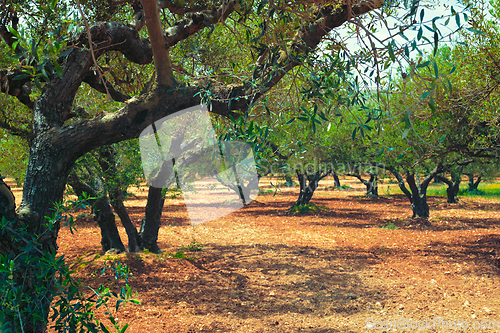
[{"x": 303, "y": 209}]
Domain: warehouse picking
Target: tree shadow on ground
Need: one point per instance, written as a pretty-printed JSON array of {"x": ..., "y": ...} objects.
[
  {"x": 483, "y": 253},
  {"x": 247, "y": 282}
]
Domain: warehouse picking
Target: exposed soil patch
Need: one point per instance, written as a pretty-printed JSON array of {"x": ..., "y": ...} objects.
[{"x": 333, "y": 270}]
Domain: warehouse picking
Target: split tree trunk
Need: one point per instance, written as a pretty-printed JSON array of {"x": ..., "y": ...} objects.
[
  {"x": 473, "y": 185},
  {"x": 115, "y": 188},
  {"x": 371, "y": 184},
  {"x": 151, "y": 222},
  {"x": 453, "y": 186},
  {"x": 103, "y": 215},
  {"x": 308, "y": 183},
  {"x": 166, "y": 175},
  {"x": 417, "y": 195}
]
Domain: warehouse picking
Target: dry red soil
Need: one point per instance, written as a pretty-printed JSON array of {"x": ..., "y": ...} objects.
[{"x": 333, "y": 270}]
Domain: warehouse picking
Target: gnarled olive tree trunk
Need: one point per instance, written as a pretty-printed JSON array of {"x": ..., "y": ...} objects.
[
  {"x": 371, "y": 184},
  {"x": 308, "y": 183},
  {"x": 102, "y": 212},
  {"x": 473, "y": 185},
  {"x": 336, "y": 180},
  {"x": 417, "y": 194},
  {"x": 115, "y": 189},
  {"x": 453, "y": 186}
]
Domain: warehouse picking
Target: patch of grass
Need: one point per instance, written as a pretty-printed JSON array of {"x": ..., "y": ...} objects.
[
  {"x": 194, "y": 246},
  {"x": 437, "y": 190},
  {"x": 303, "y": 209},
  {"x": 485, "y": 190},
  {"x": 390, "y": 226},
  {"x": 179, "y": 255}
]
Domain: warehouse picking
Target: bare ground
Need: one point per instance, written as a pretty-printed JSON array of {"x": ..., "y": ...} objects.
[{"x": 333, "y": 270}]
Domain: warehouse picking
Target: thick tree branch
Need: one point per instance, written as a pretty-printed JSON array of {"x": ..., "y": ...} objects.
[
  {"x": 196, "y": 22},
  {"x": 103, "y": 86},
  {"x": 18, "y": 88},
  {"x": 307, "y": 39},
  {"x": 438, "y": 169},
  {"x": 358, "y": 176},
  {"x": 119, "y": 37},
  {"x": 444, "y": 180},
  {"x": 175, "y": 8},
  {"x": 400, "y": 179},
  {"x": 54, "y": 107}
]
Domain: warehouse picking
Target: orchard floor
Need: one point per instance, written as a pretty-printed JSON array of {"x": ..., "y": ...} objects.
[{"x": 333, "y": 270}]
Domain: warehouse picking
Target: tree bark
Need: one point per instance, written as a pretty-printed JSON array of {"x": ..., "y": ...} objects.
[
  {"x": 417, "y": 195},
  {"x": 336, "y": 180},
  {"x": 453, "y": 187},
  {"x": 371, "y": 184},
  {"x": 308, "y": 183},
  {"x": 473, "y": 185},
  {"x": 151, "y": 221},
  {"x": 7, "y": 201},
  {"x": 115, "y": 188},
  {"x": 103, "y": 214},
  {"x": 418, "y": 198}
]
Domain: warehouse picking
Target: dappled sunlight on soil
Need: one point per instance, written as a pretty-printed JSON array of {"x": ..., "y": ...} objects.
[{"x": 354, "y": 261}]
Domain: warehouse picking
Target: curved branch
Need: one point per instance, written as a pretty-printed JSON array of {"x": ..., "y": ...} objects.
[
  {"x": 196, "y": 22},
  {"x": 103, "y": 86},
  {"x": 114, "y": 36},
  {"x": 9, "y": 16},
  {"x": 425, "y": 183},
  {"x": 16, "y": 88},
  {"x": 175, "y": 8},
  {"x": 309, "y": 36}
]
